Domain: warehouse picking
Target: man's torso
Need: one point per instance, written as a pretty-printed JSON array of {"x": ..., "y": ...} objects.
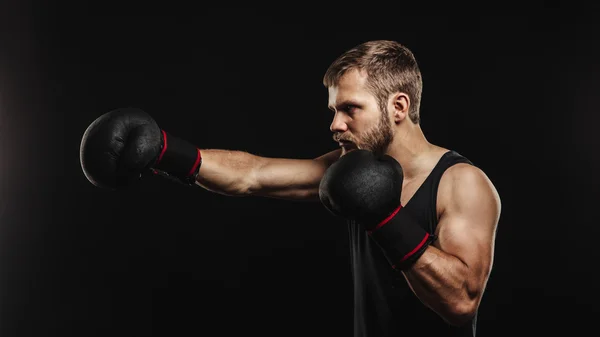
[{"x": 384, "y": 303}]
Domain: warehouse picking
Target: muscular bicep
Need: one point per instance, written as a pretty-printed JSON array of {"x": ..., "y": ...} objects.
[
  {"x": 296, "y": 179},
  {"x": 467, "y": 226}
]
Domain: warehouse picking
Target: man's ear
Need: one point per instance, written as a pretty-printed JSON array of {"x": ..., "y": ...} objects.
[{"x": 400, "y": 105}]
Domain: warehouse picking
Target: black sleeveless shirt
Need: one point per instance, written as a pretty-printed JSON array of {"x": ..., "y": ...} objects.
[{"x": 384, "y": 304}]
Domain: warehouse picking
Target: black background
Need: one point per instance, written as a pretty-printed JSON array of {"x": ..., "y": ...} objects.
[{"x": 515, "y": 94}]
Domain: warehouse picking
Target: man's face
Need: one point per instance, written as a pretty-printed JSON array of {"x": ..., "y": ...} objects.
[{"x": 358, "y": 122}]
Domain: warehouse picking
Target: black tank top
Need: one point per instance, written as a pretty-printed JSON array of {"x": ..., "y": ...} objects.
[{"x": 384, "y": 305}]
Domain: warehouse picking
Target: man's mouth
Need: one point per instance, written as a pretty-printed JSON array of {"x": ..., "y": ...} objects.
[{"x": 347, "y": 144}]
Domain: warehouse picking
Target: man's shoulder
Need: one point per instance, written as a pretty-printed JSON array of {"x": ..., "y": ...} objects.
[
  {"x": 465, "y": 183},
  {"x": 462, "y": 171}
]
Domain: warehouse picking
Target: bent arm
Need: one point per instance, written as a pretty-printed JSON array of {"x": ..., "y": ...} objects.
[
  {"x": 238, "y": 173},
  {"x": 450, "y": 277}
]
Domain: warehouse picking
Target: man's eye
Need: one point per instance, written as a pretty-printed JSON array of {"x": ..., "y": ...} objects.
[{"x": 351, "y": 108}]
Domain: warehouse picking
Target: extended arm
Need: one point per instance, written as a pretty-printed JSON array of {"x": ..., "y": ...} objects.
[
  {"x": 121, "y": 145},
  {"x": 238, "y": 173}
]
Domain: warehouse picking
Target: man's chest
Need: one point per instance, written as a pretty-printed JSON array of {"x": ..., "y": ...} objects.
[{"x": 416, "y": 185}]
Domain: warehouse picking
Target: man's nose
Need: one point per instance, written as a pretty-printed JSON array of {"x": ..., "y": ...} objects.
[{"x": 339, "y": 123}]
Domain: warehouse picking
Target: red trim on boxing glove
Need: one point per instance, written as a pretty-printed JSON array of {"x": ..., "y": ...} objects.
[
  {"x": 401, "y": 238},
  {"x": 194, "y": 168},
  {"x": 165, "y": 145}
]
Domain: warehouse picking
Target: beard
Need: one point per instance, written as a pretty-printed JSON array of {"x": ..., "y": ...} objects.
[{"x": 376, "y": 139}]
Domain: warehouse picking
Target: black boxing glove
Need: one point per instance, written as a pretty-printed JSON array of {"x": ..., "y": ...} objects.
[
  {"x": 366, "y": 188},
  {"x": 121, "y": 145}
]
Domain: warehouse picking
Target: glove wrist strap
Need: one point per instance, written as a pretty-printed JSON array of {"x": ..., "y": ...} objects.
[
  {"x": 178, "y": 159},
  {"x": 401, "y": 239}
]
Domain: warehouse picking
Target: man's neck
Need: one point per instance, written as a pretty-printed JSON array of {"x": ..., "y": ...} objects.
[{"x": 411, "y": 149}]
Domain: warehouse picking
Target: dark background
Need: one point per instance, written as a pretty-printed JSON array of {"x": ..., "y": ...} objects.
[{"x": 516, "y": 95}]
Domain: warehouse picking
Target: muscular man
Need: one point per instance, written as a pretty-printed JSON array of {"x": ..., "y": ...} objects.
[{"x": 421, "y": 218}]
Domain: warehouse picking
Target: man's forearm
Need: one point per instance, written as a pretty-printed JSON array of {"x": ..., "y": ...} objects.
[
  {"x": 444, "y": 283},
  {"x": 227, "y": 172}
]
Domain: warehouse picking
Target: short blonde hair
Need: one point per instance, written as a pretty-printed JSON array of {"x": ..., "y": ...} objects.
[{"x": 390, "y": 67}]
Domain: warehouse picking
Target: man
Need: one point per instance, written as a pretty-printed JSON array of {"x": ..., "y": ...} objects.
[{"x": 422, "y": 219}]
